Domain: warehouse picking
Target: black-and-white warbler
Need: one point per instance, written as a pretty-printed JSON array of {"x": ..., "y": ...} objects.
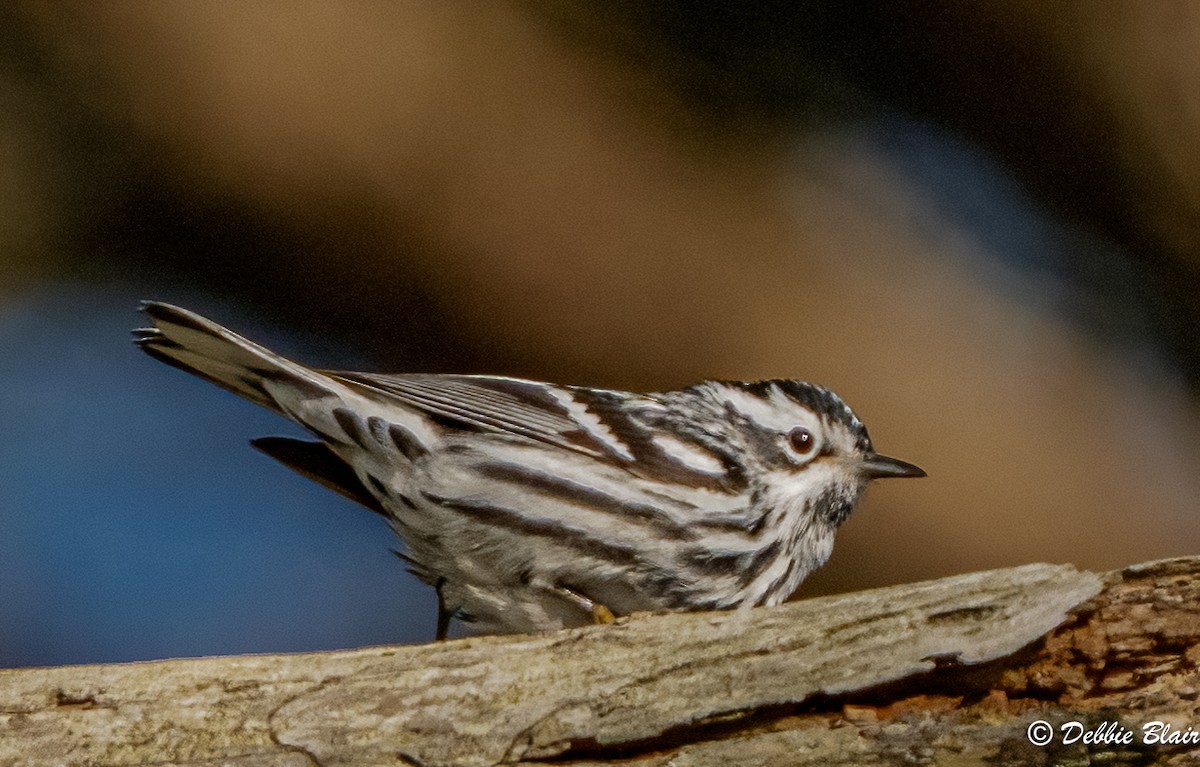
[{"x": 533, "y": 506}]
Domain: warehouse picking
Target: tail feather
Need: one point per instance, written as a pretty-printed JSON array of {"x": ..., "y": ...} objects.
[
  {"x": 190, "y": 342},
  {"x": 317, "y": 462}
]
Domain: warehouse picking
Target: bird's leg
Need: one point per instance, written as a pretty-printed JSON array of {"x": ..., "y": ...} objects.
[
  {"x": 600, "y": 613},
  {"x": 444, "y": 615}
]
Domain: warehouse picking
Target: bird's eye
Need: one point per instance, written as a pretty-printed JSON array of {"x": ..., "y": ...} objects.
[{"x": 802, "y": 440}]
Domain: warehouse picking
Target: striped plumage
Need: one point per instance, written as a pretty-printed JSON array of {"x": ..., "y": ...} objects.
[{"x": 535, "y": 506}]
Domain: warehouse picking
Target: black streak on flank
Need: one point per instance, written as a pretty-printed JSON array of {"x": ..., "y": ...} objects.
[
  {"x": 749, "y": 521},
  {"x": 748, "y": 526},
  {"x": 406, "y": 442},
  {"x": 778, "y": 583},
  {"x": 590, "y": 498},
  {"x": 516, "y": 522},
  {"x": 378, "y": 429},
  {"x": 352, "y": 426},
  {"x": 381, "y": 490},
  {"x": 746, "y": 565},
  {"x": 760, "y": 561}
]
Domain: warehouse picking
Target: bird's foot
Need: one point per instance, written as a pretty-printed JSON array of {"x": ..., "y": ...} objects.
[{"x": 601, "y": 615}]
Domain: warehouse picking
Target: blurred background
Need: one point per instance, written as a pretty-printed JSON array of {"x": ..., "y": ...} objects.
[{"x": 978, "y": 222}]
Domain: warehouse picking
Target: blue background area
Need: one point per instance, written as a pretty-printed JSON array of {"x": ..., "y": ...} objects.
[{"x": 136, "y": 522}]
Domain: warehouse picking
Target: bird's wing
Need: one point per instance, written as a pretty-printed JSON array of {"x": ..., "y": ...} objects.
[
  {"x": 530, "y": 409},
  {"x": 614, "y": 427},
  {"x": 475, "y": 403}
]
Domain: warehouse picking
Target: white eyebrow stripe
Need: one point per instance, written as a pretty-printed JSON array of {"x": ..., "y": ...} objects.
[
  {"x": 779, "y": 398},
  {"x": 758, "y": 410}
]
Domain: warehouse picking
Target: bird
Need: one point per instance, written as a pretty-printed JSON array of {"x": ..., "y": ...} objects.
[{"x": 531, "y": 506}]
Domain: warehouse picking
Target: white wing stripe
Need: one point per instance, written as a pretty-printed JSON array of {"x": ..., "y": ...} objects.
[
  {"x": 592, "y": 424},
  {"x": 691, "y": 456}
]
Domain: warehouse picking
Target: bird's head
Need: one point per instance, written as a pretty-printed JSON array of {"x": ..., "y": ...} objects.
[{"x": 805, "y": 445}]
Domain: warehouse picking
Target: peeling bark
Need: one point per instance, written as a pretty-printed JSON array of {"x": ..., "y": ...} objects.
[{"x": 953, "y": 670}]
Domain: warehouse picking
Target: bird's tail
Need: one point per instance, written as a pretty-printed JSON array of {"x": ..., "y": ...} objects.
[{"x": 203, "y": 348}]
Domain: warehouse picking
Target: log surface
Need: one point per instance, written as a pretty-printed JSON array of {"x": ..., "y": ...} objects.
[{"x": 946, "y": 671}]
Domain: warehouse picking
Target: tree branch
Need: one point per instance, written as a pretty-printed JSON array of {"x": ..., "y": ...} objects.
[{"x": 955, "y": 668}]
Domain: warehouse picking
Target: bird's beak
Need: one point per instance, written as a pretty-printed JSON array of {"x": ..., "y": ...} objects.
[{"x": 875, "y": 466}]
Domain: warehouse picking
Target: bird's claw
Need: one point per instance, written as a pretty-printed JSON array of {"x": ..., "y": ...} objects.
[{"x": 601, "y": 615}]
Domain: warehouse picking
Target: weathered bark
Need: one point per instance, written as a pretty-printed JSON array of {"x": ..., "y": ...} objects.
[{"x": 948, "y": 671}]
